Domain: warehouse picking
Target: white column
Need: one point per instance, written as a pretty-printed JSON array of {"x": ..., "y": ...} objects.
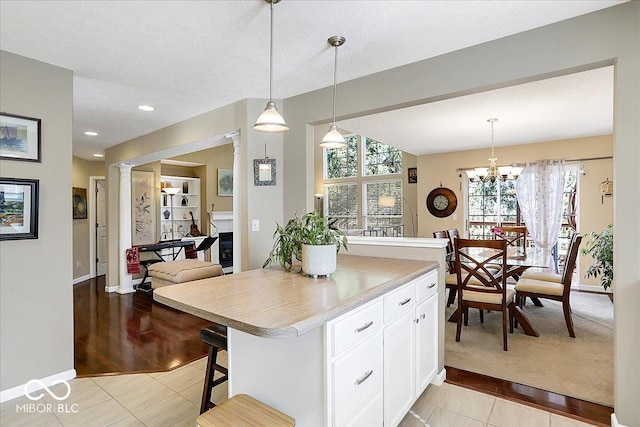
[
  {"x": 125, "y": 282},
  {"x": 238, "y": 183}
]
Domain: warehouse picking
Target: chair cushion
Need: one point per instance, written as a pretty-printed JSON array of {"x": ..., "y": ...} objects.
[
  {"x": 172, "y": 272},
  {"x": 485, "y": 297},
  {"x": 542, "y": 275},
  {"x": 539, "y": 287},
  {"x": 452, "y": 279}
]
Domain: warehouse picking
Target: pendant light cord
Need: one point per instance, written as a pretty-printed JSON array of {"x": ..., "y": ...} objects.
[
  {"x": 271, "y": 53},
  {"x": 335, "y": 79},
  {"x": 492, "y": 153}
]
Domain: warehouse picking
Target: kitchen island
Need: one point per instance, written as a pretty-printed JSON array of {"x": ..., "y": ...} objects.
[{"x": 354, "y": 349}]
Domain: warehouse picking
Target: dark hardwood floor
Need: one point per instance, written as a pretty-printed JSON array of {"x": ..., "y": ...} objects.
[
  {"x": 130, "y": 333},
  {"x": 567, "y": 406}
]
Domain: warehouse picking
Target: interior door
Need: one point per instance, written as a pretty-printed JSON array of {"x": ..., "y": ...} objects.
[{"x": 101, "y": 229}]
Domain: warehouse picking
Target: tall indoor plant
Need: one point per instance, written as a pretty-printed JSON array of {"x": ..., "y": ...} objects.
[
  {"x": 600, "y": 247},
  {"x": 301, "y": 238}
]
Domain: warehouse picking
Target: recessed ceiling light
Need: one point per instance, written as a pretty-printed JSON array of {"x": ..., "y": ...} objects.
[
  {"x": 146, "y": 108},
  {"x": 91, "y": 133},
  {"x": 98, "y": 155}
]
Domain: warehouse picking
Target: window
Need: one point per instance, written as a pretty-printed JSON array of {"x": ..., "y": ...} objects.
[
  {"x": 342, "y": 205},
  {"x": 491, "y": 203},
  {"x": 342, "y": 162},
  {"x": 381, "y": 159},
  {"x": 384, "y": 220}
]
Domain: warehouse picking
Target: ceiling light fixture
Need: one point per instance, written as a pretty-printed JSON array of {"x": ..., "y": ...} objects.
[
  {"x": 333, "y": 138},
  {"x": 492, "y": 172},
  {"x": 146, "y": 108},
  {"x": 98, "y": 155},
  {"x": 271, "y": 120},
  {"x": 91, "y": 133}
]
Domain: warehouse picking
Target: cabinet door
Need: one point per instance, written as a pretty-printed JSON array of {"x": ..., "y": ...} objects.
[
  {"x": 399, "y": 371},
  {"x": 426, "y": 343}
]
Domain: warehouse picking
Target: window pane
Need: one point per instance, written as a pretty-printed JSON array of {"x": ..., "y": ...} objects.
[
  {"x": 381, "y": 159},
  {"x": 383, "y": 204},
  {"x": 342, "y": 205},
  {"x": 343, "y": 162}
]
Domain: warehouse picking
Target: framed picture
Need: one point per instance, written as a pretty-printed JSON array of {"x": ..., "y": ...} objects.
[
  {"x": 264, "y": 172},
  {"x": 19, "y": 138},
  {"x": 143, "y": 203},
  {"x": 18, "y": 208},
  {"x": 413, "y": 175},
  {"x": 225, "y": 182},
  {"x": 79, "y": 202}
]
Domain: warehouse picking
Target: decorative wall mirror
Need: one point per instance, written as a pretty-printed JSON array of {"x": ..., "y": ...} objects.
[{"x": 264, "y": 171}]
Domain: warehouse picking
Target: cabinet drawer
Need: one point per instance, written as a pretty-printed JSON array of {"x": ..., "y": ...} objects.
[
  {"x": 427, "y": 285},
  {"x": 370, "y": 416},
  {"x": 355, "y": 327},
  {"x": 357, "y": 377},
  {"x": 400, "y": 301}
]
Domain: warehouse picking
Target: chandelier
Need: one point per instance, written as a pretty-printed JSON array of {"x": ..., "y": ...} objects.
[{"x": 493, "y": 172}]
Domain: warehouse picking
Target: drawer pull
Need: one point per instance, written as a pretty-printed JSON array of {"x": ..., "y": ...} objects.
[
  {"x": 431, "y": 285},
  {"x": 363, "y": 327},
  {"x": 364, "y": 377},
  {"x": 405, "y": 301},
  {"x": 423, "y": 316}
]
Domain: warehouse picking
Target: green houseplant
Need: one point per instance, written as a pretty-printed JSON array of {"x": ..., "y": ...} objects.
[
  {"x": 600, "y": 247},
  {"x": 310, "y": 229}
]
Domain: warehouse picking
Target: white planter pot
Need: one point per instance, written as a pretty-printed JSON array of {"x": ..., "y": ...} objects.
[{"x": 319, "y": 260}]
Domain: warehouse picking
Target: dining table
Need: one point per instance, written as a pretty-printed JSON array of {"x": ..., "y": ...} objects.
[{"x": 519, "y": 259}]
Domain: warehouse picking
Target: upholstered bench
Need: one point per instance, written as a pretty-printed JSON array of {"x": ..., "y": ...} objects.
[
  {"x": 243, "y": 410},
  {"x": 186, "y": 270}
]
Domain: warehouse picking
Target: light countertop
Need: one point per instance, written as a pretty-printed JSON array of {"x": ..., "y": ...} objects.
[{"x": 272, "y": 303}]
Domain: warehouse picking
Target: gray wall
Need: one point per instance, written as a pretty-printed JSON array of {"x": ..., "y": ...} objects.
[
  {"x": 605, "y": 37},
  {"x": 36, "y": 304}
]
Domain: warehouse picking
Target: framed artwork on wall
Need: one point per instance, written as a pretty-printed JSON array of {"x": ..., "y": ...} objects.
[
  {"x": 225, "y": 182},
  {"x": 79, "y": 203},
  {"x": 19, "y": 138},
  {"x": 413, "y": 175},
  {"x": 143, "y": 195},
  {"x": 18, "y": 208}
]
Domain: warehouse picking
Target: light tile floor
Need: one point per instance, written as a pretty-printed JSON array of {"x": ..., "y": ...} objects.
[{"x": 173, "y": 399}]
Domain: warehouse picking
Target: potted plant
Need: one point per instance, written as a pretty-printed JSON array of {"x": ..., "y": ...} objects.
[
  {"x": 600, "y": 247},
  {"x": 309, "y": 239}
]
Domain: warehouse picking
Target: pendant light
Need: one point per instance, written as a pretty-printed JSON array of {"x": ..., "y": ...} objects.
[
  {"x": 492, "y": 171},
  {"x": 271, "y": 120},
  {"x": 333, "y": 138}
]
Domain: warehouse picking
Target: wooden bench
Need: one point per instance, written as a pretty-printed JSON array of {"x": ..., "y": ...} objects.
[{"x": 243, "y": 410}]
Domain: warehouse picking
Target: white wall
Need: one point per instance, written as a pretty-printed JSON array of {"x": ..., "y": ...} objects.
[
  {"x": 36, "y": 300},
  {"x": 605, "y": 37}
]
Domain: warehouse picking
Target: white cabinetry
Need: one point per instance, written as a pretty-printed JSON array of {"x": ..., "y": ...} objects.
[
  {"x": 382, "y": 356},
  {"x": 185, "y": 203}
]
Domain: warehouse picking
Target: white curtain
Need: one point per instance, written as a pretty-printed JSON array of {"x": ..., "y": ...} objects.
[{"x": 539, "y": 192}]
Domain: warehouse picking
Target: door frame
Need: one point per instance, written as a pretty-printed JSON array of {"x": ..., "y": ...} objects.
[{"x": 93, "y": 214}]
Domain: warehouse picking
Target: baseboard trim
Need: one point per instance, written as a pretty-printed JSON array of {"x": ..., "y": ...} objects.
[
  {"x": 438, "y": 380},
  {"x": 81, "y": 279},
  {"x": 111, "y": 288},
  {"x": 18, "y": 391},
  {"x": 593, "y": 288},
  {"x": 614, "y": 421}
]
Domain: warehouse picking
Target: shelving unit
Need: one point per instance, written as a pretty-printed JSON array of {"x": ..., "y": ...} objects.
[{"x": 185, "y": 203}]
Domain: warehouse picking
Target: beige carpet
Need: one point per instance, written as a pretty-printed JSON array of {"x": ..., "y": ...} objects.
[{"x": 580, "y": 367}]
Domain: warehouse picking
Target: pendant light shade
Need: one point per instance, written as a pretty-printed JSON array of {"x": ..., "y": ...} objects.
[
  {"x": 271, "y": 120},
  {"x": 333, "y": 138}
]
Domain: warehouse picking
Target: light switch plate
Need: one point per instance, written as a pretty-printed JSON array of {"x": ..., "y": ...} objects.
[{"x": 255, "y": 225}]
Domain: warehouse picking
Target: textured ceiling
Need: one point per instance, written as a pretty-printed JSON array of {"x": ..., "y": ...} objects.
[{"x": 189, "y": 57}]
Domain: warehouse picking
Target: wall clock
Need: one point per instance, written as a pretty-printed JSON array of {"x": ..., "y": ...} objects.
[{"x": 441, "y": 202}]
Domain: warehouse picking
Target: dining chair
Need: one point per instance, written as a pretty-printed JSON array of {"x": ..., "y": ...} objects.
[
  {"x": 481, "y": 287},
  {"x": 450, "y": 279},
  {"x": 551, "y": 289},
  {"x": 514, "y": 235},
  {"x": 453, "y": 234}
]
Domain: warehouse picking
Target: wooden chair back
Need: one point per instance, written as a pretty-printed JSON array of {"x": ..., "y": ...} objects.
[
  {"x": 443, "y": 235},
  {"x": 514, "y": 235},
  {"x": 570, "y": 263},
  {"x": 453, "y": 235},
  {"x": 474, "y": 268}
]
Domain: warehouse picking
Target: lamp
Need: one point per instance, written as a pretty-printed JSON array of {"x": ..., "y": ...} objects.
[
  {"x": 271, "y": 120},
  {"x": 172, "y": 191},
  {"x": 333, "y": 138},
  {"x": 390, "y": 201},
  {"x": 319, "y": 205}
]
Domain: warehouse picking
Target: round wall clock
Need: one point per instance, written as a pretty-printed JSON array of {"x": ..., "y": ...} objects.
[{"x": 441, "y": 202}]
